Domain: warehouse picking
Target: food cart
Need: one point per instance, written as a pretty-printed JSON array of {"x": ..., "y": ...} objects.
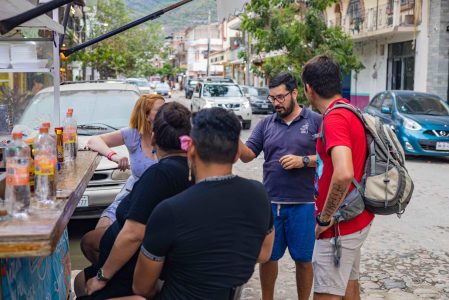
[{"x": 34, "y": 253}]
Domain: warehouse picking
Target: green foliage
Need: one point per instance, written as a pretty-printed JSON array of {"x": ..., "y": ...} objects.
[
  {"x": 127, "y": 53},
  {"x": 300, "y": 32},
  {"x": 191, "y": 14}
]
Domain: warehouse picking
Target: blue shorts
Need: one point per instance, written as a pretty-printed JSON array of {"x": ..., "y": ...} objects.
[{"x": 295, "y": 229}]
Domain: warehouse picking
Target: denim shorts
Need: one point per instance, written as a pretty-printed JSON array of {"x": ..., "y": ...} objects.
[
  {"x": 294, "y": 228},
  {"x": 109, "y": 211}
]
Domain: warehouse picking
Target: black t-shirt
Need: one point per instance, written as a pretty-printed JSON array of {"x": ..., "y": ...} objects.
[
  {"x": 210, "y": 237},
  {"x": 160, "y": 181}
]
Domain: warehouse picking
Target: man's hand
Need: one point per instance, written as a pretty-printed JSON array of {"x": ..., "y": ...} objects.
[
  {"x": 320, "y": 229},
  {"x": 122, "y": 162},
  {"x": 94, "y": 285},
  {"x": 290, "y": 161}
]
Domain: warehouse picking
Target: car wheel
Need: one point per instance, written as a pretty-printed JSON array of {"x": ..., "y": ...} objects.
[{"x": 246, "y": 125}]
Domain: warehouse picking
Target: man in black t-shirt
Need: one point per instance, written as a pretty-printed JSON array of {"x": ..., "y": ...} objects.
[{"x": 207, "y": 239}]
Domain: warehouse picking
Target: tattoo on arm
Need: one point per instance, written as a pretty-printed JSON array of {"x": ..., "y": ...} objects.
[{"x": 334, "y": 200}]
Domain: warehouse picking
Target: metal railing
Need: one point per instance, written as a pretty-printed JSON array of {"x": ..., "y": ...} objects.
[{"x": 376, "y": 18}]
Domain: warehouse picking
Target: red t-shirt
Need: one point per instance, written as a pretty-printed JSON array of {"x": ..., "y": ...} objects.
[{"x": 341, "y": 128}]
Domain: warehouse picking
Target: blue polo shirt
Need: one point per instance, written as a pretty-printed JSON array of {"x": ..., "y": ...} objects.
[{"x": 276, "y": 138}]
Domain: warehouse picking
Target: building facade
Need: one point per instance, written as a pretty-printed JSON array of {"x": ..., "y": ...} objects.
[
  {"x": 403, "y": 44},
  {"x": 200, "y": 41}
]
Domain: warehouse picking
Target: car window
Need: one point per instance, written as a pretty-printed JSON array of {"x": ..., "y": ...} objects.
[
  {"x": 416, "y": 104},
  {"x": 388, "y": 102},
  {"x": 263, "y": 92},
  {"x": 192, "y": 83},
  {"x": 89, "y": 107},
  {"x": 253, "y": 92},
  {"x": 376, "y": 102},
  {"x": 212, "y": 90}
]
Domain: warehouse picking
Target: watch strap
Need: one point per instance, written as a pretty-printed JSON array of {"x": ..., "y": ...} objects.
[{"x": 322, "y": 223}]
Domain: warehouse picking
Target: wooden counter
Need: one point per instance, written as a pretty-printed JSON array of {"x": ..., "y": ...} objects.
[{"x": 40, "y": 233}]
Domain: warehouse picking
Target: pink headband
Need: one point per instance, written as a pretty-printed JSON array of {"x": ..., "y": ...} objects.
[{"x": 186, "y": 142}]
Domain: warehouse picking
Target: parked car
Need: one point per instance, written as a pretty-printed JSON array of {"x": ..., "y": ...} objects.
[
  {"x": 162, "y": 89},
  {"x": 98, "y": 108},
  {"x": 142, "y": 84},
  {"x": 153, "y": 83},
  {"x": 216, "y": 79},
  {"x": 189, "y": 87},
  {"x": 225, "y": 95},
  {"x": 420, "y": 120},
  {"x": 258, "y": 99}
]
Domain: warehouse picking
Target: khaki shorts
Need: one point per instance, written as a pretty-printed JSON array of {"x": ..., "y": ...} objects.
[{"x": 329, "y": 279}]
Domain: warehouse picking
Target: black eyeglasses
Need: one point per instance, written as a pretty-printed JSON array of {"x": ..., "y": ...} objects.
[{"x": 278, "y": 98}]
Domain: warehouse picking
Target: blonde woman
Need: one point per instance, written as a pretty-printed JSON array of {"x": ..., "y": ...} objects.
[{"x": 137, "y": 139}]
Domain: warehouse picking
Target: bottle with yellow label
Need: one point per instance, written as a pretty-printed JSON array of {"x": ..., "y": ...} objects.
[
  {"x": 17, "y": 175},
  {"x": 31, "y": 169}
]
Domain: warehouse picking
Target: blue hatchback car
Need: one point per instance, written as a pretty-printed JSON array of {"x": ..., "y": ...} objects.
[{"x": 420, "y": 120}]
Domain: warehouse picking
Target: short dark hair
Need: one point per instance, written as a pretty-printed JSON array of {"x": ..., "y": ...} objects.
[
  {"x": 171, "y": 122},
  {"x": 323, "y": 74},
  {"x": 287, "y": 79},
  {"x": 216, "y": 133}
]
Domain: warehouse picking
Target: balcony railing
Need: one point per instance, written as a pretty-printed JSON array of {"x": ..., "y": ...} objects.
[{"x": 377, "y": 18}]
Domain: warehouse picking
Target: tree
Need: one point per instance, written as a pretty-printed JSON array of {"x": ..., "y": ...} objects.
[
  {"x": 299, "y": 31},
  {"x": 126, "y": 53}
]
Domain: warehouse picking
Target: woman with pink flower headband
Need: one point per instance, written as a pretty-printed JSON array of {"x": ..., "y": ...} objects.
[{"x": 113, "y": 274}]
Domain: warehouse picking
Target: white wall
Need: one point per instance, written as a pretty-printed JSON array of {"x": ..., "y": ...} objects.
[{"x": 422, "y": 51}]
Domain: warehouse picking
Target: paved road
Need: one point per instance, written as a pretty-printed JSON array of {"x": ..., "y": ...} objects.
[{"x": 406, "y": 258}]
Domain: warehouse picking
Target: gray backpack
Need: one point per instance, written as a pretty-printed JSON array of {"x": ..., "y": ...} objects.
[{"x": 386, "y": 187}]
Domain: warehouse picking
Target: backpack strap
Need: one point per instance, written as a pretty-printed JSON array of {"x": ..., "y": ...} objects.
[
  {"x": 358, "y": 113},
  {"x": 338, "y": 104}
]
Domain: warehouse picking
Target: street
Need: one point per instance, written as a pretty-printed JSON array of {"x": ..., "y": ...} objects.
[{"x": 403, "y": 258}]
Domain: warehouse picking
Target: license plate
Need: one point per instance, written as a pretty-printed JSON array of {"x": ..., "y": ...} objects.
[
  {"x": 443, "y": 146},
  {"x": 264, "y": 105},
  {"x": 84, "y": 201}
]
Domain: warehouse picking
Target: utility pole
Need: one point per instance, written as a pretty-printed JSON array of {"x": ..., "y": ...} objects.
[
  {"x": 248, "y": 58},
  {"x": 208, "y": 44}
]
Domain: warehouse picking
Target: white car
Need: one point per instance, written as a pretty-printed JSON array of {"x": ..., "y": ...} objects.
[
  {"x": 226, "y": 95},
  {"x": 142, "y": 84},
  {"x": 98, "y": 108}
]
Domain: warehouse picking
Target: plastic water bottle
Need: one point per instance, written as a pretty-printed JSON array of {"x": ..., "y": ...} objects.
[
  {"x": 70, "y": 137},
  {"x": 17, "y": 176},
  {"x": 45, "y": 169}
]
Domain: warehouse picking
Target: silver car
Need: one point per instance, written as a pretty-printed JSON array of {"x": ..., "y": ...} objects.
[
  {"x": 142, "y": 84},
  {"x": 98, "y": 108}
]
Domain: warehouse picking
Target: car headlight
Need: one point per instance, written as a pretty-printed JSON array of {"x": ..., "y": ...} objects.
[
  {"x": 120, "y": 175},
  {"x": 411, "y": 125}
]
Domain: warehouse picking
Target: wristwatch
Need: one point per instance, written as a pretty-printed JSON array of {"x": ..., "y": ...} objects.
[
  {"x": 100, "y": 275},
  {"x": 306, "y": 161},
  {"x": 322, "y": 223}
]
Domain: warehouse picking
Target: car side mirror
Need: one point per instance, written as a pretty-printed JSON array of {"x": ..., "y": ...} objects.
[{"x": 385, "y": 110}]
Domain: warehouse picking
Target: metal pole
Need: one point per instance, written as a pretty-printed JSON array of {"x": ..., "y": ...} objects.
[
  {"x": 152, "y": 16},
  {"x": 248, "y": 59},
  {"x": 64, "y": 23},
  {"x": 208, "y": 45},
  {"x": 7, "y": 25},
  {"x": 56, "y": 74}
]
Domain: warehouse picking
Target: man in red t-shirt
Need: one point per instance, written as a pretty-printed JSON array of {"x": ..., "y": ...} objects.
[{"x": 339, "y": 160}]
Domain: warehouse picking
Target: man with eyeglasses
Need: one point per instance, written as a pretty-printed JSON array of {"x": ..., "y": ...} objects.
[{"x": 286, "y": 138}]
